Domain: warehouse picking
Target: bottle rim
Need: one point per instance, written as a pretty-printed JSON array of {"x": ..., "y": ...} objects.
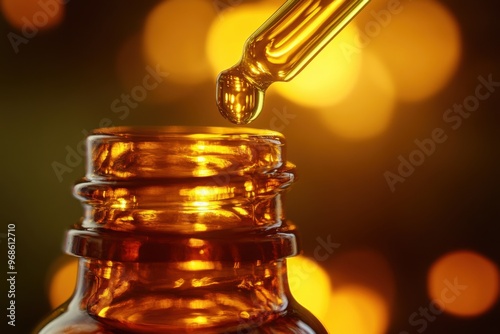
[
  {"x": 195, "y": 132},
  {"x": 182, "y": 151}
]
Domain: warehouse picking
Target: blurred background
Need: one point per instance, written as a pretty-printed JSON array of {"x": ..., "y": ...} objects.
[{"x": 393, "y": 127}]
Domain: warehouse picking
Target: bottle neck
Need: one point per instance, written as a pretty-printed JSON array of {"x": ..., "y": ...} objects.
[
  {"x": 183, "y": 230},
  {"x": 157, "y": 297}
]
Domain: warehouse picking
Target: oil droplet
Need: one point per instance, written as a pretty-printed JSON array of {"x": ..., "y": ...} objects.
[{"x": 238, "y": 99}]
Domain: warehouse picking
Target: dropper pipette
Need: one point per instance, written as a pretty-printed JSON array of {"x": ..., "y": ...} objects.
[{"x": 278, "y": 51}]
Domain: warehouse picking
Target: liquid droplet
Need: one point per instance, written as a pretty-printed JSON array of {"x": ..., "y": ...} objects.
[{"x": 238, "y": 99}]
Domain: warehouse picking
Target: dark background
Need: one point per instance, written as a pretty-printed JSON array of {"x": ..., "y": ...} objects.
[{"x": 64, "y": 79}]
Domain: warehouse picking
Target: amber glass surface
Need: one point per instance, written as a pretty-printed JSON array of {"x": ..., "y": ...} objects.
[{"x": 183, "y": 231}]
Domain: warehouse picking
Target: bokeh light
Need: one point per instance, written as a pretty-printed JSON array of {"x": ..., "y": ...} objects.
[
  {"x": 420, "y": 44},
  {"x": 328, "y": 78},
  {"x": 132, "y": 68},
  {"x": 30, "y": 16},
  {"x": 309, "y": 284},
  {"x": 362, "y": 294},
  {"x": 231, "y": 29},
  {"x": 62, "y": 280},
  {"x": 464, "y": 283},
  {"x": 174, "y": 38},
  {"x": 367, "y": 268},
  {"x": 367, "y": 110},
  {"x": 356, "y": 310}
]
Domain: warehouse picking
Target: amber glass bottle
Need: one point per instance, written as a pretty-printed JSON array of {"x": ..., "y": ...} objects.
[{"x": 183, "y": 231}]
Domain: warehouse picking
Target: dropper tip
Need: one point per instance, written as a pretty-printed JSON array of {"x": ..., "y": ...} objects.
[{"x": 238, "y": 99}]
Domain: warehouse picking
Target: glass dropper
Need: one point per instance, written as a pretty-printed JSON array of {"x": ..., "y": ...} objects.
[{"x": 278, "y": 51}]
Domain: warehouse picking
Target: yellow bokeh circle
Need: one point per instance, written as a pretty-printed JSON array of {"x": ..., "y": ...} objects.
[
  {"x": 231, "y": 29},
  {"x": 463, "y": 283},
  {"x": 175, "y": 34},
  {"x": 356, "y": 310},
  {"x": 29, "y": 16},
  {"x": 420, "y": 44},
  {"x": 367, "y": 110},
  {"x": 62, "y": 280},
  {"x": 310, "y": 284}
]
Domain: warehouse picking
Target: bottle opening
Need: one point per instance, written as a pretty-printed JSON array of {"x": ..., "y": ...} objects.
[{"x": 180, "y": 152}]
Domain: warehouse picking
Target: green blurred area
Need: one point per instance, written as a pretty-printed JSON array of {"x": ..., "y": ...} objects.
[{"x": 62, "y": 83}]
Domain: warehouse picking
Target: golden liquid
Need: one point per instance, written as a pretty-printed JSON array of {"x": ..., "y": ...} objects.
[{"x": 278, "y": 51}]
